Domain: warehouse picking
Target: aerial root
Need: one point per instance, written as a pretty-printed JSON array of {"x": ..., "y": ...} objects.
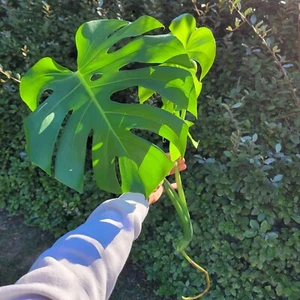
[{"x": 201, "y": 270}]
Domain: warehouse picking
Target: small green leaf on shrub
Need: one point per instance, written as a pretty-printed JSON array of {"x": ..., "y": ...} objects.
[
  {"x": 264, "y": 226},
  {"x": 254, "y": 224},
  {"x": 269, "y": 161},
  {"x": 279, "y": 290},
  {"x": 249, "y": 233},
  {"x": 261, "y": 217},
  {"x": 237, "y": 105},
  {"x": 278, "y": 147},
  {"x": 248, "y": 11},
  {"x": 286, "y": 66},
  {"x": 277, "y": 178},
  {"x": 296, "y": 218},
  {"x": 253, "y": 19},
  {"x": 256, "y": 289},
  {"x": 268, "y": 41},
  {"x": 210, "y": 160},
  {"x": 254, "y": 137},
  {"x": 268, "y": 288},
  {"x": 228, "y": 153},
  {"x": 295, "y": 139},
  {"x": 255, "y": 69},
  {"x": 271, "y": 235}
]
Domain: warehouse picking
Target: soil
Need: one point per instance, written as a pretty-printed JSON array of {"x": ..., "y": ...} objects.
[{"x": 20, "y": 245}]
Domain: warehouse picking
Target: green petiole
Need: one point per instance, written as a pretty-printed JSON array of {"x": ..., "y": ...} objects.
[
  {"x": 183, "y": 215},
  {"x": 179, "y": 202}
]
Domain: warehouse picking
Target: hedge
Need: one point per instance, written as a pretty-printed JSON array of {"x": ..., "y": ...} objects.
[{"x": 242, "y": 183}]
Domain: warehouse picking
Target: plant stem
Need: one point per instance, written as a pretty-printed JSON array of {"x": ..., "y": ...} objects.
[
  {"x": 172, "y": 196},
  {"x": 179, "y": 202},
  {"x": 179, "y": 184},
  {"x": 188, "y": 235},
  {"x": 183, "y": 215}
]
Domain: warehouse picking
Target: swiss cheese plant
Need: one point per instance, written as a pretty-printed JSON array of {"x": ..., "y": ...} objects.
[{"x": 78, "y": 105}]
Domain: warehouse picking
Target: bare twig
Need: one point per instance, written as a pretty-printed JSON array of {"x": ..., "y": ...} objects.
[
  {"x": 273, "y": 53},
  {"x": 289, "y": 115},
  {"x": 9, "y": 76},
  {"x": 197, "y": 10}
]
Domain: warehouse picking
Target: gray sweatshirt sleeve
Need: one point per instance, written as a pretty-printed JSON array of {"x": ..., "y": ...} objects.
[{"x": 85, "y": 263}]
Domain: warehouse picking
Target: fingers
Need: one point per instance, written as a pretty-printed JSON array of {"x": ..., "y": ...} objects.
[
  {"x": 158, "y": 192},
  {"x": 155, "y": 195},
  {"x": 174, "y": 186},
  {"x": 181, "y": 164}
]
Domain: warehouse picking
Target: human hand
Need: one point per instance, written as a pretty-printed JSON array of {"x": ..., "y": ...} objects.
[{"x": 156, "y": 194}]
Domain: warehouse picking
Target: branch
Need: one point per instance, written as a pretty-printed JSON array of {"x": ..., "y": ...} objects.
[
  {"x": 7, "y": 74},
  {"x": 273, "y": 53}
]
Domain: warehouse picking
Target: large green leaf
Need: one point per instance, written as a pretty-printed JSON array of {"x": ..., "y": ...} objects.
[
  {"x": 199, "y": 45},
  {"x": 82, "y": 99},
  {"x": 198, "y": 42}
]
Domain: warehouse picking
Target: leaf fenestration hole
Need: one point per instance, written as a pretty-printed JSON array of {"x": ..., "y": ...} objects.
[
  {"x": 96, "y": 76},
  {"x": 46, "y": 94},
  {"x": 89, "y": 158},
  {"x": 128, "y": 95},
  {"x": 120, "y": 44},
  {"x": 151, "y": 137},
  {"x": 117, "y": 168},
  {"x": 56, "y": 146},
  {"x": 199, "y": 69},
  {"x": 137, "y": 65}
]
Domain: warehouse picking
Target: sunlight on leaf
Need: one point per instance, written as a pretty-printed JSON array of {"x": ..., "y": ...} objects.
[
  {"x": 85, "y": 97},
  {"x": 46, "y": 122}
]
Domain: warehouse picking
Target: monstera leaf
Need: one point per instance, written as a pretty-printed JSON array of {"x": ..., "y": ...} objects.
[
  {"x": 122, "y": 161},
  {"x": 199, "y": 44}
]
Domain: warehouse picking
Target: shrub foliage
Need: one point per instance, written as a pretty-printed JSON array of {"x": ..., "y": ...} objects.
[{"x": 242, "y": 182}]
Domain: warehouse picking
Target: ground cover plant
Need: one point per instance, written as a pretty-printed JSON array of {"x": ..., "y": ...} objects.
[
  {"x": 247, "y": 164},
  {"x": 122, "y": 161}
]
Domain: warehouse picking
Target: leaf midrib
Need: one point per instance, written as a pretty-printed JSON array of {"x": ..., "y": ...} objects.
[{"x": 98, "y": 106}]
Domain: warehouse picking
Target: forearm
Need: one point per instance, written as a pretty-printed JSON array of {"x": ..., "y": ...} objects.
[{"x": 85, "y": 263}]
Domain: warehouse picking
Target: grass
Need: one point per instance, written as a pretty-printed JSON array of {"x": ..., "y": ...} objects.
[{"x": 20, "y": 245}]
